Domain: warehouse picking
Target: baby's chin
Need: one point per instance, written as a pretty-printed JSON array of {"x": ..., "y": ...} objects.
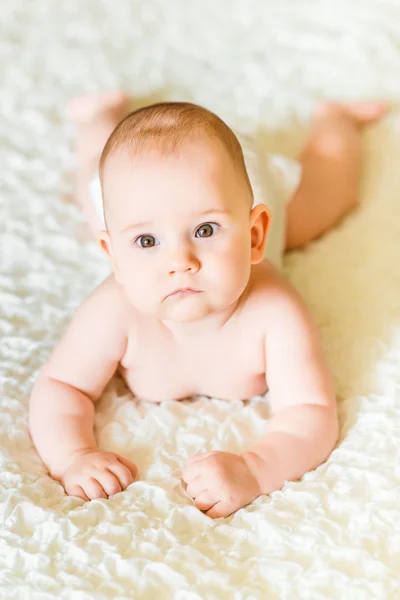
[
  {"x": 184, "y": 310},
  {"x": 186, "y": 314}
]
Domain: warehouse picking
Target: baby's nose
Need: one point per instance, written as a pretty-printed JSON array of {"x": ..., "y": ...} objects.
[{"x": 182, "y": 259}]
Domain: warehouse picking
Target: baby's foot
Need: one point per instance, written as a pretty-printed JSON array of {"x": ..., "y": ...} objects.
[
  {"x": 96, "y": 116},
  {"x": 358, "y": 112},
  {"x": 336, "y": 127}
]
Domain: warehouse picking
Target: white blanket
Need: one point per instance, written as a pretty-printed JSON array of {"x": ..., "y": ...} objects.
[{"x": 262, "y": 65}]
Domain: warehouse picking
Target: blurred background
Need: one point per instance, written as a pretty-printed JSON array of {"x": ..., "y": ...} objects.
[{"x": 252, "y": 61}]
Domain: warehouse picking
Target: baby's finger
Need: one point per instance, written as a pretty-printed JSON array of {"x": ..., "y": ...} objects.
[
  {"x": 196, "y": 487},
  {"x": 122, "y": 473},
  {"x": 109, "y": 482},
  {"x": 196, "y": 457},
  {"x": 195, "y": 469},
  {"x": 129, "y": 465},
  {"x": 220, "y": 509},
  {"x": 93, "y": 489},
  {"x": 205, "y": 500},
  {"x": 77, "y": 491}
]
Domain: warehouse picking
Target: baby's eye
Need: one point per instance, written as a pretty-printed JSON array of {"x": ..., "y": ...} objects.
[
  {"x": 206, "y": 230},
  {"x": 146, "y": 241}
]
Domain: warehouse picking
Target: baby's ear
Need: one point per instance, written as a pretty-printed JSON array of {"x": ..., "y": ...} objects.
[
  {"x": 103, "y": 239},
  {"x": 260, "y": 220}
]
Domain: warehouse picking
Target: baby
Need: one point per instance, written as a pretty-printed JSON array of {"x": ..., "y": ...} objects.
[{"x": 194, "y": 305}]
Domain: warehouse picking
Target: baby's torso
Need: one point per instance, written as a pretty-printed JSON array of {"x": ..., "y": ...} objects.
[
  {"x": 230, "y": 365},
  {"x": 226, "y": 368}
]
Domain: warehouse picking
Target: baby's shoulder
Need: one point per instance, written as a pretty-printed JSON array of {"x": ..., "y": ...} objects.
[
  {"x": 269, "y": 294},
  {"x": 108, "y": 300},
  {"x": 110, "y": 289}
]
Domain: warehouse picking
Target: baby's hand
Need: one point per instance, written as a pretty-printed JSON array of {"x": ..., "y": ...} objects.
[
  {"x": 220, "y": 482},
  {"x": 98, "y": 474}
]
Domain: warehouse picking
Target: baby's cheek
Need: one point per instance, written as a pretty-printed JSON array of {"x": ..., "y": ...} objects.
[
  {"x": 140, "y": 290},
  {"x": 236, "y": 267}
]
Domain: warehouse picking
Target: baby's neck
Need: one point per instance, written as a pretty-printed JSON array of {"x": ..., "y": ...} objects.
[{"x": 201, "y": 328}]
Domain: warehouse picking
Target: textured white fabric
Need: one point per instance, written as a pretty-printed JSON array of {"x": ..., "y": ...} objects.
[
  {"x": 273, "y": 178},
  {"x": 264, "y": 65}
]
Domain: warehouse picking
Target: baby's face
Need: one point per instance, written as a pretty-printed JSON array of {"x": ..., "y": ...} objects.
[{"x": 179, "y": 222}]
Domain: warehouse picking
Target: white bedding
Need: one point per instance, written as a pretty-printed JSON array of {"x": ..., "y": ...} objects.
[{"x": 335, "y": 533}]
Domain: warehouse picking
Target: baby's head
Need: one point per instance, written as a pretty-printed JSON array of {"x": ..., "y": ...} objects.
[{"x": 178, "y": 211}]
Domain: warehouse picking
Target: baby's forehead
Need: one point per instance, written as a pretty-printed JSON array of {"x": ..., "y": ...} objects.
[
  {"x": 204, "y": 160},
  {"x": 152, "y": 152}
]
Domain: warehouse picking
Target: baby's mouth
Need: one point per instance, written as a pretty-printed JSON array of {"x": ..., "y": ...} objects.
[{"x": 186, "y": 291}]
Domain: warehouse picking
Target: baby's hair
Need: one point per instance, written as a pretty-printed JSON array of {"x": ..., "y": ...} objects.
[{"x": 166, "y": 126}]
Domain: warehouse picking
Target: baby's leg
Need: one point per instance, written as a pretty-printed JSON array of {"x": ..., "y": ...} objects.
[
  {"x": 96, "y": 116},
  {"x": 331, "y": 161}
]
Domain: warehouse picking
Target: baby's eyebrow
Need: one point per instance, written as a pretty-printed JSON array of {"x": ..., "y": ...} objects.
[
  {"x": 136, "y": 226},
  {"x": 214, "y": 210},
  {"x": 145, "y": 224}
]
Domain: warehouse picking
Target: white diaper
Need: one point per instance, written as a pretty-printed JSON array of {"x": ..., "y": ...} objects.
[{"x": 273, "y": 177}]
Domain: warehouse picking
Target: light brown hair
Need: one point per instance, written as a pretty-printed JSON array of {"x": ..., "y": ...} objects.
[{"x": 166, "y": 126}]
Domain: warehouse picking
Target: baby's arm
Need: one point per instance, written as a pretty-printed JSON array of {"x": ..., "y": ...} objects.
[
  {"x": 61, "y": 405},
  {"x": 304, "y": 427}
]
